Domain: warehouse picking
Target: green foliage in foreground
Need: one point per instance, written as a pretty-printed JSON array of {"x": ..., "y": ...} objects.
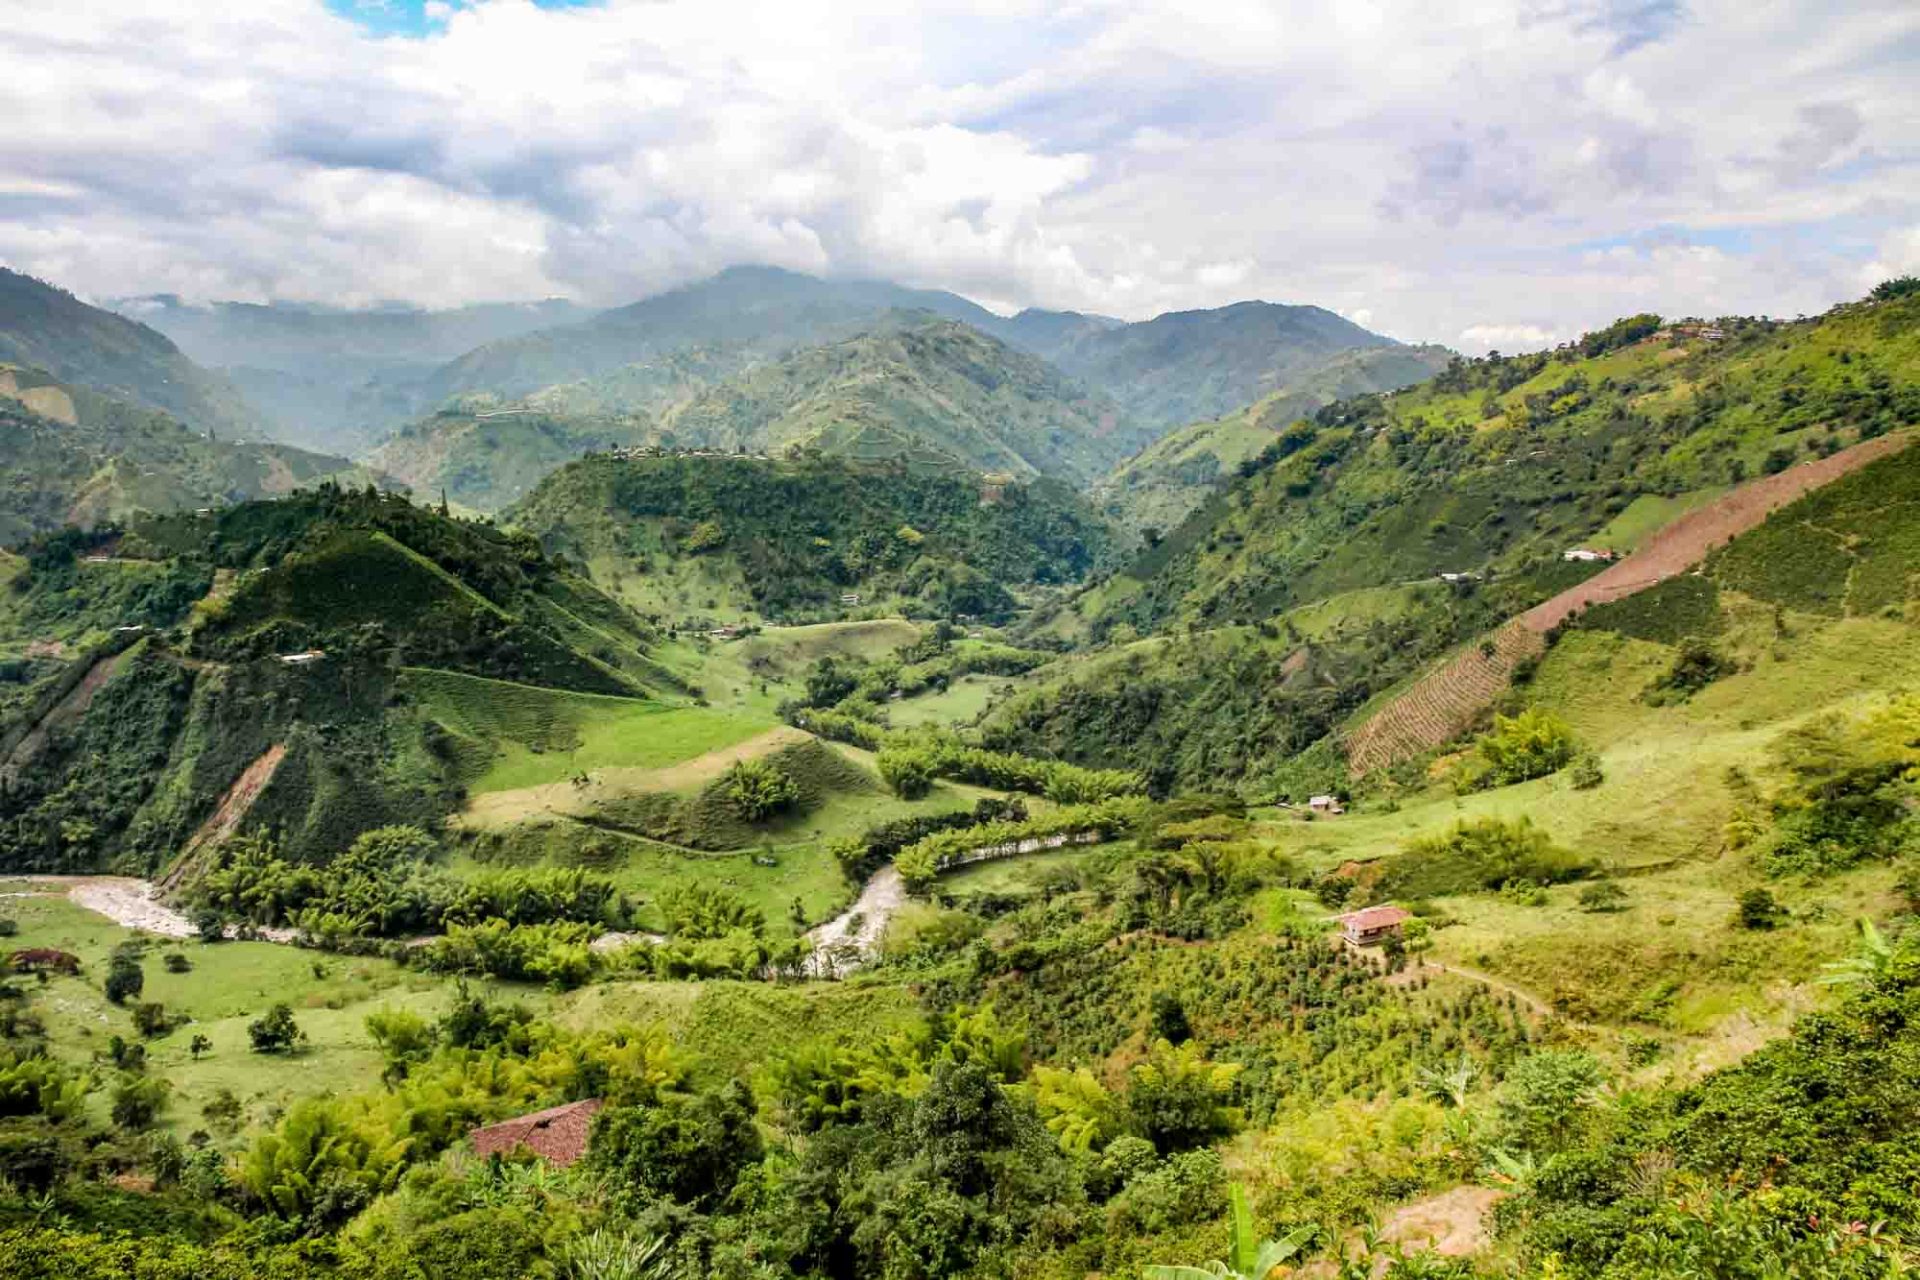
[{"x": 1847, "y": 790}]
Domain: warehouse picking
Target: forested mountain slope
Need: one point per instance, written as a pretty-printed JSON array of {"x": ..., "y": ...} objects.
[
  {"x": 758, "y": 311},
  {"x": 938, "y": 392},
  {"x": 485, "y": 453},
  {"x": 272, "y": 634},
  {"x": 1186, "y": 366},
  {"x": 728, "y": 537},
  {"x": 1316, "y": 576},
  {"x": 334, "y": 378},
  {"x": 1499, "y": 466},
  {"x": 48, "y": 328},
  {"x": 74, "y": 456},
  {"x": 1161, "y": 485}
]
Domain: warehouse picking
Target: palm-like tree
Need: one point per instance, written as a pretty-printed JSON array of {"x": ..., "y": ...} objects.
[
  {"x": 1249, "y": 1258},
  {"x": 1450, "y": 1084},
  {"x": 1868, "y": 965}
]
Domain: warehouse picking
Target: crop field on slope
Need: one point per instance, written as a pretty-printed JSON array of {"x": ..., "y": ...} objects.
[
  {"x": 540, "y": 736},
  {"x": 229, "y": 985}
]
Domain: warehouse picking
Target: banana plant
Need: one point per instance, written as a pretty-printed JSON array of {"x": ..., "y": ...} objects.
[{"x": 1249, "y": 1258}]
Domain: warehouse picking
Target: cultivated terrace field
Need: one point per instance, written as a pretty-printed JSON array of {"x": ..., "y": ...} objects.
[{"x": 851, "y": 873}]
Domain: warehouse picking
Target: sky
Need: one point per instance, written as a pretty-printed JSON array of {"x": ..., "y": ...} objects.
[{"x": 1485, "y": 174}]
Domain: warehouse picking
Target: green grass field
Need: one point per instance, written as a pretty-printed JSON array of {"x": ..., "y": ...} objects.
[
  {"x": 229, "y": 985},
  {"x": 539, "y": 736}
]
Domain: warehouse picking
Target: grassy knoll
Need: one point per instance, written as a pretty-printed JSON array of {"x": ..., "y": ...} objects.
[
  {"x": 533, "y": 736},
  {"x": 653, "y": 832}
]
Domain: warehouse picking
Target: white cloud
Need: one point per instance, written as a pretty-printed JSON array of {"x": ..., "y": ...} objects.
[{"x": 1550, "y": 163}]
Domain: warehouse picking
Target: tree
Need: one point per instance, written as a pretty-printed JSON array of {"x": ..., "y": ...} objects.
[
  {"x": 150, "y": 1019},
  {"x": 199, "y": 1045},
  {"x": 1544, "y": 1095},
  {"x": 1759, "y": 909},
  {"x": 1529, "y": 745},
  {"x": 276, "y": 1032},
  {"x": 1896, "y": 288},
  {"x": 1170, "y": 1018},
  {"x": 907, "y": 771},
  {"x": 1248, "y": 1257},
  {"x": 125, "y": 977},
  {"x": 758, "y": 789},
  {"x": 1177, "y": 1099},
  {"x": 1867, "y": 966},
  {"x": 137, "y": 1101}
]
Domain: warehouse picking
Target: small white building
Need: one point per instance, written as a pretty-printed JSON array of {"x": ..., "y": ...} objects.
[
  {"x": 1326, "y": 804},
  {"x": 302, "y": 658},
  {"x": 1589, "y": 554}
]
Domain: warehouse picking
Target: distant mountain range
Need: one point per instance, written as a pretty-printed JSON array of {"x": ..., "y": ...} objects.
[
  {"x": 344, "y": 379},
  {"x": 336, "y": 379},
  {"x": 74, "y": 456},
  {"x": 46, "y": 328}
]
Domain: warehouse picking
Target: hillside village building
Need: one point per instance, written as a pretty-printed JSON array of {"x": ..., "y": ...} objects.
[
  {"x": 1373, "y": 925},
  {"x": 558, "y": 1135}
]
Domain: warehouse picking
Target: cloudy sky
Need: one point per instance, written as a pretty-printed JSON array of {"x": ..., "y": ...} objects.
[{"x": 1482, "y": 173}]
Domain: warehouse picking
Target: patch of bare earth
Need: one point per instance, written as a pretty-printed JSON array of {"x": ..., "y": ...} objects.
[{"x": 1452, "y": 1223}]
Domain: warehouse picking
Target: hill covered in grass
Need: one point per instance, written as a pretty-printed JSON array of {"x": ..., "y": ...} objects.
[
  {"x": 1157, "y": 488},
  {"x": 733, "y": 537},
  {"x": 200, "y": 675},
  {"x": 1498, "y": 466},
  {"x": 74, "y": 456},
  {"x": 47, "y": 328}
]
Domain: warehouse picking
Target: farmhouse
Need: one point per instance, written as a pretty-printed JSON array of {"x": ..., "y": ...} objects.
[
  {"x": 558, "y": 1135},
  {"x": 1587, "y": 553},
  {"x": 302, "y": 658},
  {"x": 1373, "y": 924},
  {"x": 1326, "y": 804}
]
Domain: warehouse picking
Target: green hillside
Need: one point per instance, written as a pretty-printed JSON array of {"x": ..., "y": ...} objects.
[
  {"x": 1498, "y": 466},
  {"x": 486, "y": 454},
  {"x": 155, "y": 679},
  {"x": 47, "y": 328},
  {"x": 74, "y": 456},
  {"x": 686, "y": 537},
  {"x": 939, "y": 393},
  {"x": 1160, "y": 486},
  {"x": 758, "y": 311},
  {"x": 1186, "y": 366}
]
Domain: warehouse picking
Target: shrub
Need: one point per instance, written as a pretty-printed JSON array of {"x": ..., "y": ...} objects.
[
  {"x": 150, "y": 1019},
  {"x": 138, "y": 1101},
  {"x": 125, "y": 978},
  {"x": 1759, "y": 909},
  {"x": 1696, "y": 665},
  {"x": 758, "y": 789},
  {"x": 1603, "y": 895},
  {"x": 1530, "y": 745},
  {"x": 276, "y": 1032},
  {"x": 908, "y": 772},
  {"x": 177, "y": 963},
  {"x": 1586, "y": 773},
  {"x": 1485, "y": 853}
]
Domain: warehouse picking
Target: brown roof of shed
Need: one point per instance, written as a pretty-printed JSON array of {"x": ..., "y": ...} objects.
[
  {"x": 1374, "y": 917},
  {"x": 558, "y": 1135}
]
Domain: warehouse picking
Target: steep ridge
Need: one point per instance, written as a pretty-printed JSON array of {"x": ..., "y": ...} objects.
[
  {"x": 48, "y": 328},
  {"x": 1442, "y": 703}
]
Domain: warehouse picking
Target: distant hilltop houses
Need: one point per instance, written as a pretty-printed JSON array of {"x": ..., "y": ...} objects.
[
  {"x": 1691, "y": 332},
  {"x": 629, "y": 452}
]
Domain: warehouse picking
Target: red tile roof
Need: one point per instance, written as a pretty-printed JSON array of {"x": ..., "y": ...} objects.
[
  {"x": 558, "y": 1135},
  {"x": 1371, "y": 918}
]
